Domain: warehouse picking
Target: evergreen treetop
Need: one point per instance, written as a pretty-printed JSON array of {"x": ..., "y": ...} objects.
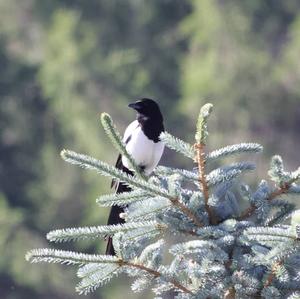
[{"x": 220, "y": 248}]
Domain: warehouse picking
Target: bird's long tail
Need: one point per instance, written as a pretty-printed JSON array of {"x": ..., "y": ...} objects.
[
  {"x": 114, "y": 217},
  {"x": 109, "y": 247}
]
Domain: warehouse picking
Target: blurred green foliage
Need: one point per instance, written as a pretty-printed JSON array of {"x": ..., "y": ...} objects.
[
  {"x": 64, "y": 62},
  {"x": 243, "y": 57}
]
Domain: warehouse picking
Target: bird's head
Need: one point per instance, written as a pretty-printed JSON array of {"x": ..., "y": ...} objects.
[{"x": 147, "y": 108}]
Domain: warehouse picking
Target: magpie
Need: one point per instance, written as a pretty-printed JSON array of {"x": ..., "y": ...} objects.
[{"x": 142, "y": 141}]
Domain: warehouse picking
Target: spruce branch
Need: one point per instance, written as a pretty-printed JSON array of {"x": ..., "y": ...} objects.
[
  {"x": 72, "y": 258},
  {"x": 176, "y": 202},
  {"x": 234, "y": 149},
  {"x": 282, "y": 178},
  {"x": 72, "y": 234},
  {"x": 116, "y": 140},
  {"x": 163, "y": 171},
  {"x": 215, "y": 177},
  {"x": 108, "y": 170},
  {"x": 200, "y": 137},
  {"x": 272, "y": 274},
  {"x": 201, "y": 131},
  {"x": 146, "y": 209},
  {"x": 227, "y": 173},
  {"x": 94, "y": 275},
  {"x": 278, "y": 192},
  {"x": 105, "y": 169},
  {"x": 66, "y": 257},
  {"x": 276, "y": 171},
  {"x": 177, "y": 144},
  {"x": 155, "y": 273},
  {"x": 121, "y": 199},
  {"x": 149, "y": 232},
  {"x": 285, "y": 209},
  {"x": 203, "y": 181},
  {"x": 269, "y": 236},
  {"x": 230, "y": 293}
]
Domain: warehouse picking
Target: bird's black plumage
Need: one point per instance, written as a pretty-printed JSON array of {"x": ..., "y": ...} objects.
[{"x": 144, "y": 132}]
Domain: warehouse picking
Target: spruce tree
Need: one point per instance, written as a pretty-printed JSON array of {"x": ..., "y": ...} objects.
[{"x": 197, "y": 233}]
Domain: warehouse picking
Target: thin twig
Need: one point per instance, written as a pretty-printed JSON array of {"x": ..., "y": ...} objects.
[
  {"x": 177, "y": 203},
  {"x": 249, "y": 211},
  {"x": 230, "y": 293},
  {"x": 186, "y": 211},
  {"x": 155, "y": 274},
  {"x": 189, "y": 232},
  {"x": 271, "y": 276},
  {"x": 202, "y": 180}
]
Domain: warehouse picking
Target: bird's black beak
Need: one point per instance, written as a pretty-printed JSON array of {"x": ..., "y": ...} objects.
[{"x": 136, "y": 106}]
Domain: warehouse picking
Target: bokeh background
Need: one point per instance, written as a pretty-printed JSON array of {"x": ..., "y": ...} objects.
[{"x": 64, "y": 62}]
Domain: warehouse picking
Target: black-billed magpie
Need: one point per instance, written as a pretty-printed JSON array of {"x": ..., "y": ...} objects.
[{"x": 142, "y": 142}]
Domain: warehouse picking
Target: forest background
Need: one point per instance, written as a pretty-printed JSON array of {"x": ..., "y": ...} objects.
[{"x": 64, "y": 62}]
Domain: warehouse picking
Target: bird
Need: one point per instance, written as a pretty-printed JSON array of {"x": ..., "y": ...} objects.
[{"x": 142, "y": 142}]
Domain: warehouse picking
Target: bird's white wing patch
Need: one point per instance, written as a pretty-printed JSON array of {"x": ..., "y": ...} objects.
[
  {"x": 130, "y": 129},
  {"x": 158, "y": 151}
]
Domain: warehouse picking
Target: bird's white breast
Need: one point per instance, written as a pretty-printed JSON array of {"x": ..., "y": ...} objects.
[{"x": 144, "y": 151}]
